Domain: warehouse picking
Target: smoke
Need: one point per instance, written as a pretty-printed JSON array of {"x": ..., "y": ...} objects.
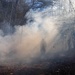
[{"x": 24, "y": 45}]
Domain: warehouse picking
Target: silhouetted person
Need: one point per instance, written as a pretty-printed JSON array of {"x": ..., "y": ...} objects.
[{"x": 43, "y": 49}]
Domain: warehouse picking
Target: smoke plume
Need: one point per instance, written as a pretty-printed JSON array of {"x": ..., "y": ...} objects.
[{"x": 48, "y": 26}]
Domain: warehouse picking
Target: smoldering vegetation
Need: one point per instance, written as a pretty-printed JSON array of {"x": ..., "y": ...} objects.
[{"x": 34, "y": 31}]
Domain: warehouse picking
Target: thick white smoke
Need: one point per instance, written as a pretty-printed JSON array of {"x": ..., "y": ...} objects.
[{"x": 25, "y": 43}]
